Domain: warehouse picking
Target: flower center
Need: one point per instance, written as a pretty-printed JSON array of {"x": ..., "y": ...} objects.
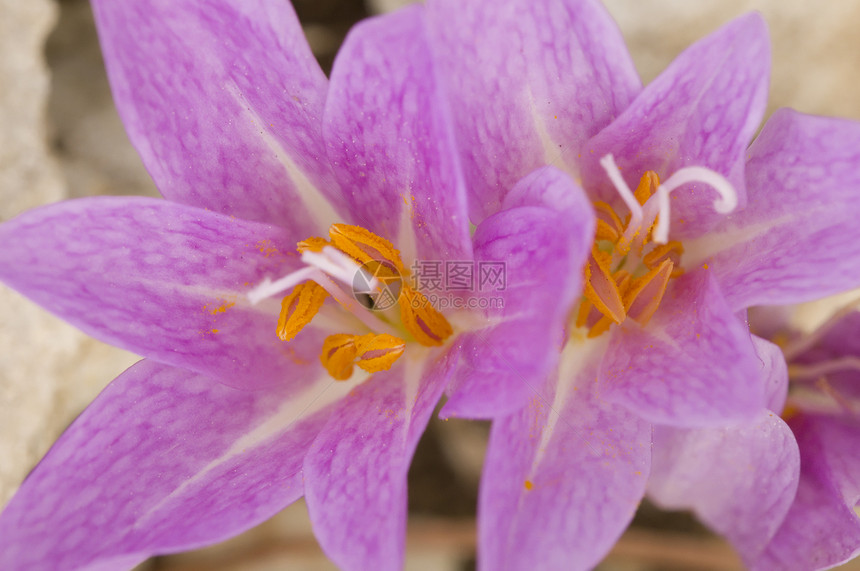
[
  {"x": 631, "y": 262},
  {"x": 363, "y": 273}
]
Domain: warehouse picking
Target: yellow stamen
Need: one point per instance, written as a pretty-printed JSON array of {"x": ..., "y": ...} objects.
[
  {"x": 600, "y": 288},
  {"x": 585, "y": 307},
  {"x": 428, "y": 326},
  {"x": 371, "y": 352},
  {"x": 338, "y": 355},
  {"x": 645, "y": 294},
  {"x": 671, "y": 251},
  {"x": 353, "y": 249},
  {"x": 298, "y": 308},
  {"x": 365, "y": 246},
  {"x": 378, "y": 352},
  {"x": 609, "y": 226},
  {"x": 647, "y": 186},
  {"x": 599, "y": 328},
  {"x": 312, "y": 244}
]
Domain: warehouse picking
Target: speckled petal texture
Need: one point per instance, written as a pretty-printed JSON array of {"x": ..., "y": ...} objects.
[
  {"x": 542, "y": 238},
  {"x": 794, "y": 241},
  {"x": 739, "y": 480},
  {"x": 355, "y": 472},
  {"x": 223, "y": 101},
  {"x": 164, "y": 460},
  {"x": 694, "y": 364},
  {"x": 162, "y": 280},
  {"x": 821, "y": 529},
  {"x": 703, "y": 110},
  {"x": 388, "y": 132},
  {"x": 530, "y": 81},
  {"x": 562, "y": 479}
]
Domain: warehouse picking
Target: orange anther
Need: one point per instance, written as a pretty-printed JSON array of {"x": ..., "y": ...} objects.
[
  {"x": 645, "y": 294},
  {"x": 378, "y": 352},
  {"x": 338, "y": 355},
  {"x": 299, "y": 308},
  {"x": 428, "y": 326},
  {"x": 600, "y": 288}
]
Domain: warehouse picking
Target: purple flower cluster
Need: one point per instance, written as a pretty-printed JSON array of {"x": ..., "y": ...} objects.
[{"x": 636, "y": 225}]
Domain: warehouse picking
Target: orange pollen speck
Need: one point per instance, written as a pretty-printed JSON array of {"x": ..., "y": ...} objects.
[
  {"x": 377, "y": 262},
  {"x": 627, "y": 273}
]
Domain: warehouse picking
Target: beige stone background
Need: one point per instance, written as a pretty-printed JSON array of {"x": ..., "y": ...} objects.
[{"x": 60, "y": 137}]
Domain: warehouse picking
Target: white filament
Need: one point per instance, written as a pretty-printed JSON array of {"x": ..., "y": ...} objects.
[
  {"x": 329, "y": 262},
  {"x": 614, "y": 173},
  {"x": 334, "y": 263},
  {"x": 727, "y": 201},
  {"x": 268, "y": 288}
]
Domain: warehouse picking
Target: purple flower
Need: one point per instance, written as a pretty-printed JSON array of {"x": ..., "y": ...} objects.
[
  {"x": 623, "y": 309},
  {"x": 821, "y": 528},
  {"x": 223, "y": 423},
  {"x": 658, "y": 342},
  {"x": 783, "y": 492}
]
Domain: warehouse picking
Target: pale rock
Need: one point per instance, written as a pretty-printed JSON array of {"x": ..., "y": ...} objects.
[{"x": 48, "y": 370}]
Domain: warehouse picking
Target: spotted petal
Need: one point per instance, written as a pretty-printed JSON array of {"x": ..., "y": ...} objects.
[
  {"x": 540, "y": 243},
  {"x": 163, "y": 280},
  {"x": 740, "y": 480},
  {"x": 702, "y": 110},
  {"x": 822, "y": 529},
  {"x": 389, "y": 133},
  {"x": 223, "y": 101},
  {"x": 355, "y": 472},
  {"x": 562, "y": 478},
  {"x": 164, "y": 460},
  {"x": 793, "y": 242},
  {"x": 530, "y": 81},
  {"x": 694, "y": 364}
]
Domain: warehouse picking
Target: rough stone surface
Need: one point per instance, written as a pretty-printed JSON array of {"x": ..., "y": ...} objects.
[
  {"x": 816, "y": 50},
  {"x": 48, "y": 370}
]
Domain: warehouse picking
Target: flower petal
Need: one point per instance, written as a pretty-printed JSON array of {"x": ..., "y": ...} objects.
[
  {"x": 540, "y": 241},
  {"x": 703, "y": 111},
  {"x": 839, "y": 341},
  {"x": 530, "y": 82},
  {"x": 390, "y": 137},
  {"x": 355, "y": 472},
  {"x": 163, "y": 280},
  {"x": 224, "y": 104},
  {"x": 822, "y": 529},
  {"x": 740, "y": 480},
  {"x": 792, "y": 242},
  {"x": 562, "y": 479},
  {"x": 694, "y": 364},
  {"x": 775, "y": 373},
  {"x": 164, "y": 460}
]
